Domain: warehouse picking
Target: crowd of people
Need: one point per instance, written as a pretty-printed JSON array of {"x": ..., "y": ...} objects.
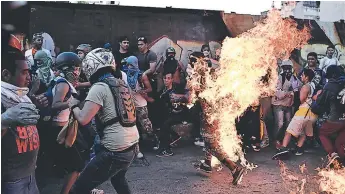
[{"x": 118, "y": 103}]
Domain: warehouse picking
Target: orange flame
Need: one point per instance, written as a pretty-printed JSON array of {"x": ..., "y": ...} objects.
[
  {"x": 238, "y": 83},
  {"x": 332, "y": 181}
]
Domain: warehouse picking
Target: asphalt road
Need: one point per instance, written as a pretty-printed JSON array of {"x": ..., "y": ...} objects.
[{"x": 176, "y": 175}]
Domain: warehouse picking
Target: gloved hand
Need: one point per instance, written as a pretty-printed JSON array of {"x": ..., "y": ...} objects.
[{"x": 23, "y": 114}]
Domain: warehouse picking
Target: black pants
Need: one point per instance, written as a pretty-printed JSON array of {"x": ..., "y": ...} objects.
[
  {"x": 166, "y": 129},
  {"x": 71, "y": 159},
  {"x": 249, "y": 126},
  {"x": 105, "y": 165},
  {"x": 195, "y": 118}
]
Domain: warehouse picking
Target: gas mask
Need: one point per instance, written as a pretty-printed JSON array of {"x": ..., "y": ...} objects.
[
  {"x": 287, "y": 70},
  {"x": 170, "y": 56}
]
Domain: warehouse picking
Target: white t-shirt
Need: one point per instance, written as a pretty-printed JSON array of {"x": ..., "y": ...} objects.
[{"x": 326, "y": 62}]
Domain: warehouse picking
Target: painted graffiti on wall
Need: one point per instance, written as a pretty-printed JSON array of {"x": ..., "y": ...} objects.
[{"x": 183, "y": 48}]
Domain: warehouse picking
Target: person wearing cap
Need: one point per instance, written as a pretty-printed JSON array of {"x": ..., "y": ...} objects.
[
  {"x": 108, "y": 46},
  {"x": 37, "y": 41},
  {"x": 283, "y": 99},
  {"x": 122, "y": 53},
  {"x": 82, "y": 50}
]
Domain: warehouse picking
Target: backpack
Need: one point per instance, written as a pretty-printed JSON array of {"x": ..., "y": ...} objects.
[{"x": 124, "y": 104}]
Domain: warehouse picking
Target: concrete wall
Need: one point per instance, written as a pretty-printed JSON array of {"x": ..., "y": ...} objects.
[{"x": 73, "y": 24}]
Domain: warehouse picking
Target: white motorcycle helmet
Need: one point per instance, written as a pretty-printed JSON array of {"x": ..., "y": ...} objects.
[{"x": 97, "y": 59}]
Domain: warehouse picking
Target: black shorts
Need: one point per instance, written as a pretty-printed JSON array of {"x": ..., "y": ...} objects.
[{"x": 71, "y": 158}]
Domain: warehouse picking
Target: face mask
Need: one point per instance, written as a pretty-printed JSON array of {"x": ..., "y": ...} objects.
[
  {"x": 44, "y": 69},
  {"x": 71, "y": 74},
  {"x": 287, "y": 72},
  {"x": 171, "y": 57}
]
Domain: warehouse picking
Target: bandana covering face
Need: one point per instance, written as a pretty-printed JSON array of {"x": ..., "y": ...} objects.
[
  {"x": 44, "y": 72},
  {"x": 132, "y": 72}
]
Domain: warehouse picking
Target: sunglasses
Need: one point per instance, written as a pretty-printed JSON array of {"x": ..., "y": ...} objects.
[{"x": 141, "y": 38}]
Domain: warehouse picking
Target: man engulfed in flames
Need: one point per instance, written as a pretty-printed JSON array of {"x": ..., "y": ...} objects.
[
  {"x": 210, "y": 130},
  {"x": 247, "y": 72}
]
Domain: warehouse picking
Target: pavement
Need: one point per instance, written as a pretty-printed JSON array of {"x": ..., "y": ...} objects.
[{"x": 176, "y": 175}]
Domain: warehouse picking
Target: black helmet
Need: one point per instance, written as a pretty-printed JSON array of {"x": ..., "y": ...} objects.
[
  {"x": 86, "y": 48},
  {"x": 66, "y": 60},
  {"x": 169, "y": 51}
]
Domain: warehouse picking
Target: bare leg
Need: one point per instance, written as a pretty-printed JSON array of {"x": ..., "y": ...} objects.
[
  {"x": 301, "y": 140},
  {"x": 69, "y": 181},
  {"x": 286, "y": 139}
]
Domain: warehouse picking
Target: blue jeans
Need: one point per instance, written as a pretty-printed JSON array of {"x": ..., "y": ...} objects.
[
  {"x": 281, "y": 114},
  {"x": 26, "y": 185},
  {"x": 105, "y": 165}
]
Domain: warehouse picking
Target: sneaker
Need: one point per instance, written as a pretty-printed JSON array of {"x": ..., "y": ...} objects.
[
  {"x": 331, "y": 159},
  {"x": 165, "y": 152},
  {"x": 256, "y": 148},
  {"x": 203, "y": 167},
  {"x": 237, "y": 175},
  {"x": 199, "y": 143},
  {"x": 281, "y": 152},
  {"x": 175, "y": 139},
  {"x": 265, "y": 143},
  {"x": 156, "y": 144},
  {"x": 156, "y": 147},
  {"x": 299, "y": 151},
  {"x": 140, "y": 155},
  {"x": 97, "y": 191},
  {"x": 218, "y": 167}
]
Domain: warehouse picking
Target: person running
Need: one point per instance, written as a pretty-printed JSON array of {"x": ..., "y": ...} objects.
[
  {"x": 301, "y": 125},
  {"x": 210, "y": 131},
  {"x": 115, "y": 122}
]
